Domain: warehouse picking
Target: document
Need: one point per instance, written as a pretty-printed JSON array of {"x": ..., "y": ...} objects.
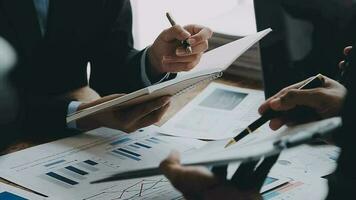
[
  {"x": 211, "y": 66},
  {"x": 305, "y": 188},
  {"x": 9, "y": 192},
  {"x": 63, "y": 169},
  {"x": 219, "y": 112},
  {"x": 258, "y": 144},
  {"x": 307, "y": 161},
  {"x": 214, "y": 153}
]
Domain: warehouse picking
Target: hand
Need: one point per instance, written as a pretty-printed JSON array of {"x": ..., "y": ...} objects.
[
  {"x": 167, "y": 55},
  {"x": 347, "y": 51},
  {"x": 200, "y": 183},
  {"x": 128, "y": 119},
  {"x": 325, "y": 101}
]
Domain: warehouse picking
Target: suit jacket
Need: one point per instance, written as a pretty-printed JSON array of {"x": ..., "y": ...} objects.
[
  {"x": 78, "y": 32},
  {"x": 342, "y": 184}
]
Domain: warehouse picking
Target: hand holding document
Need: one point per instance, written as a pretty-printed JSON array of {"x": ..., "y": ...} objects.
[{"x": 211, "y": 66}]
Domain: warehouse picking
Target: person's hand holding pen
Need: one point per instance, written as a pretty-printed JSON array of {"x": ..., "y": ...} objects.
[
  {"x": 201, "y": 183},
  {"x": 167, "y": 54},
  {"x": 326, "y": 101}
]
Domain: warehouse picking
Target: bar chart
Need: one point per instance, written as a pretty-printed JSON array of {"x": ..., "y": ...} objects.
[
  {"x": 10, "y": 196},
  {"x": 135, "y": 149},
  {"x": 71, "y": 175},
  {"x": 67, "y": 167}
]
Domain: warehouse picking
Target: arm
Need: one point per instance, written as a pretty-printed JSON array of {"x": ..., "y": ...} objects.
[
  {"x": 115, "y": 63},
  {"x": 117, "y": 66}
]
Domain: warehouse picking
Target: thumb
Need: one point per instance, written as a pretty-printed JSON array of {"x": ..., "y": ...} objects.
[
  {"x": 311, "y": 98},
  {"x": 172, "y": 160},
  {"x": 99, "y": 101},
  {"x": 170, "y": 165}
]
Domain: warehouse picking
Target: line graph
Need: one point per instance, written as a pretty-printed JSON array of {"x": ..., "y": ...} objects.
[{"x": 141, "y": 189}]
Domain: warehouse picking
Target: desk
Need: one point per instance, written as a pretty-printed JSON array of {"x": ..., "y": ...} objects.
[{"x": 177, "y": 104}]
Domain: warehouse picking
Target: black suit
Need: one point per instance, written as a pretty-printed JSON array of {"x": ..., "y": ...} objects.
[
  {"x": 78, "y": 32},
  {"x": 343, "y": 184}
]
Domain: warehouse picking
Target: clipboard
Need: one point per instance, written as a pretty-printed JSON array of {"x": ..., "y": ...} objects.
[{"x": 289, "y": 138}]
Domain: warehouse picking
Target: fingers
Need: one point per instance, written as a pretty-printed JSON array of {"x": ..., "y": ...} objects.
[
  {"x": 311, "y": 98},
  {"x": 199, "y": 34},
  {"x": 142, "y": 110},
  {"x": 170, "y": 165},
  {"x": 178, "y": 67},
  {"x": 181, "y": 59},
  {"x": 220, "y": 172},
  {"x": 153, "y": 117},
  {"x": 249, "y": 176},
  {"x": 262, "y": 171},
  {"x": 342, "y": 65},
  {"x": 347, "y": 50},
  {"x": 266, "y": 105},
  {"x": 242, "y": 176},
  {"x": 175, "y": 33},
  {"x": 197, "y": 49},
  {"x": 99, "y": 101},
  {"x": 173, "y": 159},
  {"x": 277, "y": 123},
  {"x": 191, "y": 181}
]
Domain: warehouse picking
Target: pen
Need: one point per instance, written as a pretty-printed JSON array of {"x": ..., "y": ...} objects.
[
  {"x": 184, "y": 43},
  {"x": 316, "y": 81}
]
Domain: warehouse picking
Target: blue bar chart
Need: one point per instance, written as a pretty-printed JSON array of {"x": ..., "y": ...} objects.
[
  {"x": 10, "y": 196},
  {"x": 71, "y": 175},
  {"x": 133, "y": 149}
]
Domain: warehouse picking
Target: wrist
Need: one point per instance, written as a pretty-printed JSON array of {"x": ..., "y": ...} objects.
[{"x": 153, "y": 65}]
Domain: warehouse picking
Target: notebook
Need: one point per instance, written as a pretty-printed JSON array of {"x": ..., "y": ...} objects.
[{"x": 211, "y": 66}]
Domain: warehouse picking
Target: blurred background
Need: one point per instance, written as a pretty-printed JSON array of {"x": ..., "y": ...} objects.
[{"x": 308, "y": 36}]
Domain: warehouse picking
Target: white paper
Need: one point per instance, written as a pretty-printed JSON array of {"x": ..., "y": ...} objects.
[
  {"x": 9, "y": 192},
  {"x": 219, "y": 112},
  {"x": 212, "y": 64},
  {"x": 222, "y": 57},
  {"x": 96, "y": 155},
  {"x": 303, "y": 188},
  {"x": 308, "y": 161},
  {"x": 257, "y": 145}
]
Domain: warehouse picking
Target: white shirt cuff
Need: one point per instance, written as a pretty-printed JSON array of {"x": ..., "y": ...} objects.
[
  {"x": 146, "y": 81},
  {"x": 72, "y": 108}
]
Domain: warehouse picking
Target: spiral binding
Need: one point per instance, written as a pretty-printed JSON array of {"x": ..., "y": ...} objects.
[{"x": 215, "y": 76}]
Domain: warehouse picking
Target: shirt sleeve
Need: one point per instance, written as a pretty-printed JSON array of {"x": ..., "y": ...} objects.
[
  {"x": 145, "y": 79},
  {"x": 72, "y": 108}
]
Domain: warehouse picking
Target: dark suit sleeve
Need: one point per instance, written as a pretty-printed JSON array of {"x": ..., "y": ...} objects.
[
  {"x": 115, "y": 63},
  {"x": 40, "y": 114},
  {"x": 342, "y": 183}
]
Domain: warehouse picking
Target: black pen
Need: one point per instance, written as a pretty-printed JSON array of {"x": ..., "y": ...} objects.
[
  {"x": 315, "y": 82},
  {"x": 184, "y": 43}
]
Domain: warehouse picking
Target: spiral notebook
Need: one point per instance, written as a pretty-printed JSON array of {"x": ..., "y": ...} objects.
[{"x": 211, "y": 67}]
